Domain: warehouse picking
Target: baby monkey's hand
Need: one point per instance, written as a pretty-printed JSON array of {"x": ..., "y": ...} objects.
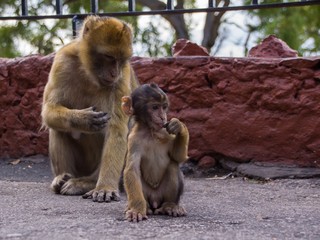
[{"x": 174, "y": 126}]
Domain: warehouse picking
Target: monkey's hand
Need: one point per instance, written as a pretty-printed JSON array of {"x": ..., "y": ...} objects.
[
  {"x": 102, "y": 195},
  {"x": 133, "y": 215},
  {"x": 174, "y": 126},
  {"x": 89, "y": 120}
]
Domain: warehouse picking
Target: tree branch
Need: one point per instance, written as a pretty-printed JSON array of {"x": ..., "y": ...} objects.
[
  {"x": 176, "y": 21},
  {"x": 212, "y": 24}
]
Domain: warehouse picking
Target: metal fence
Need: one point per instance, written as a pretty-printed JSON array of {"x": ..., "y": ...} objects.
[{"x": 169, "y": 9}]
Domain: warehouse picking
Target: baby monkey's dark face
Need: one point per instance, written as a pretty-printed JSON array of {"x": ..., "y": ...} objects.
[
  {"x": 150, "y": 106},
  {"x": 158, "y": 114}
]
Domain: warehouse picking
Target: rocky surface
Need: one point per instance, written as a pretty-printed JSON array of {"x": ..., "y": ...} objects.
[
  {"x": 243, "y": 109},
  {"x": 22, "y": 82},
  {"x": 184, "y": 47},
  {"x": 272, "y": 47}
]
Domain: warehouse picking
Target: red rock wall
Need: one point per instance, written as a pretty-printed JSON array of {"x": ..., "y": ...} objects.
[
  {"x": 22, "y": 82},
  {"x": 247, "y": 109}
]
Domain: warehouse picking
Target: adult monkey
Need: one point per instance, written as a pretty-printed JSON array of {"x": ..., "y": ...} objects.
[
  {"x": 152, "y": 178},
  {"x": 82, "y": 109}
]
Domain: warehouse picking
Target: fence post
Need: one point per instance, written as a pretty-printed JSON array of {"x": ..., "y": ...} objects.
[
  {"x": 211, "y": 4},
  {"x": 94, "y": 6},
  {"x": 170, "y": 5},
  {"x": 131, "y": 5},
  {"x": 58, "y": 7},
  {"x": 24, "y": 7},
  {"x": 76, "y": 25}
]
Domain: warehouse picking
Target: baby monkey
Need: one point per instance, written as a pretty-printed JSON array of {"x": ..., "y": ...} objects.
[{"x": 152, "y": 178}]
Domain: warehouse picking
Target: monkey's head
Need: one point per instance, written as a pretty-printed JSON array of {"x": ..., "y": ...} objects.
[
  {"x": 149, "y": 105},
  {"x": 105, "y": 48}
]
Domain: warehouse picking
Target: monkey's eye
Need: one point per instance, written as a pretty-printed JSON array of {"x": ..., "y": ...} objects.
[
  {"x": 165, "y": 106},
  {"x": 109, "y": 58},
  {"x": 155, "y": 107}
]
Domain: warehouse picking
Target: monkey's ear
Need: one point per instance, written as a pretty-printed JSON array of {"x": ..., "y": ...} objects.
[
  {"x": 126, "y": 105},
  {"x": 89, "y": 24}
]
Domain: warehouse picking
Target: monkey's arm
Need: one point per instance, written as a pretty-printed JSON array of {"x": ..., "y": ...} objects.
[
  {"x": 179, "y": 148},
  {"x": 137, "y": 206},
  {"x": 60, "y": 93},
  {"x": 63, "y": 119}
]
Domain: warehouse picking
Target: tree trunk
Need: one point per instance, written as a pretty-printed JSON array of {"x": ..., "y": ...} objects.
[
  {"x": 176, "y": 20},
  {"x": 212, "y": 24}
]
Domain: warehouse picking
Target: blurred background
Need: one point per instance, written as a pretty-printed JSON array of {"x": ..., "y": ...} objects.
[{"x": 224, "y": 34}]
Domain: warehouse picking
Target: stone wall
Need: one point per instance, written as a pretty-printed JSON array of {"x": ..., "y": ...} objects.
[
  {"x": 264, "y": 110},
  {"x": 22, "y": 82}
]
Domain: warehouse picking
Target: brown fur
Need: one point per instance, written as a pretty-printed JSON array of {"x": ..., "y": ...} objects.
[
  {"x": 82, "y": 109},
  {"x": 152, "y": 178}
]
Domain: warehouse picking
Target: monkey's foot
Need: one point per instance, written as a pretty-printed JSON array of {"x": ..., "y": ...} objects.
[
  {"x": 67, "y": 185},
  {"x": 102, "y": 195},
  {"x": 171, "y": 209},
  {"x": 135, "y": 216},
  {"x": 77, "y": 186},
  {"x": 149, "y": 211},
  {"x": 59, "y": 181}
]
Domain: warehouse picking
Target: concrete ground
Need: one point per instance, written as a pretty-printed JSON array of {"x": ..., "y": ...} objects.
[{"x": 218, "y": 208}]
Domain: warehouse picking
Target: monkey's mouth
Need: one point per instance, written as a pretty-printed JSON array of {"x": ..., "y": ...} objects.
[
  {"x": 157, "y": 126},
  {"x": 107, "y": 82}
]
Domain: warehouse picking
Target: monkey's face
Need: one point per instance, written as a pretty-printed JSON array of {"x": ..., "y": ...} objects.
[
  {"x": 157, "y": 112},
  {"x": 150, "y": 105},
  {"x": 107, "y": 68},
  {"x": 106, "y": 48}
]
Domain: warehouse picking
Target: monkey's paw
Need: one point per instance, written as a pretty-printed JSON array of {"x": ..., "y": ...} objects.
[
  {"x": 173, "y": 126},
  {"x": 77, "y": 186},
  {"x": 171, "y": 209},
  {"x": 89, "y": 120},
  {"x": 102, "y": 195},
  {"x": 135, "y": 216},
  {"x": 59, "y": 181}
]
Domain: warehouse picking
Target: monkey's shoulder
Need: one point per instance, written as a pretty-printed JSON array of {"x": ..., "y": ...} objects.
[
  {"x": 67, "y": 60},
  {"x": 70, "y": 49}
]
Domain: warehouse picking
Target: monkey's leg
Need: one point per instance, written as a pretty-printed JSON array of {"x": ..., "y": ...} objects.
[
  {"x": 172, "y": 187},
  {"x": 65, "y": 154},
  {"x": 78, "y": 186}
]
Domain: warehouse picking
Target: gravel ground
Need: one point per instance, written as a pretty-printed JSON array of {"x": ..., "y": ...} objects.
[{"x": 232, "y": 208}]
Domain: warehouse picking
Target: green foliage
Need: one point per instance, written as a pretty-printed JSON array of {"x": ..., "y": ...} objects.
[
  {"x": 45, "y": 36},
  {"x": 297, "y": 26},
  {"x": 7, "y": 43},
  {"x": 151, "y": 43}
]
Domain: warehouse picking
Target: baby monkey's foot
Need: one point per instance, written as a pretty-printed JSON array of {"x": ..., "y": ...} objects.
[
  {"x": 135, "y": 216},
  {"x": 171, "y": 209}
]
